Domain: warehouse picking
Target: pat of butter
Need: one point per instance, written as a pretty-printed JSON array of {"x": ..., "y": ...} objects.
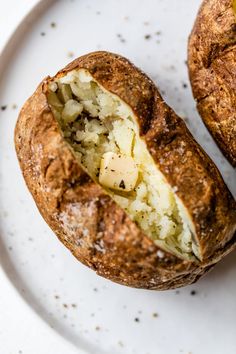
[{"x": 118, "y": 172}]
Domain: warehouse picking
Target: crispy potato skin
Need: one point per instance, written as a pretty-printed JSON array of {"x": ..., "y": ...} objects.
[
  {"x": 212, "y": 70},
  {"x": 87, "y": 221}
]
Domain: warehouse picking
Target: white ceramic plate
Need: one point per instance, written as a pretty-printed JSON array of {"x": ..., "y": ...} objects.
[{"x": 90, "y": 312}]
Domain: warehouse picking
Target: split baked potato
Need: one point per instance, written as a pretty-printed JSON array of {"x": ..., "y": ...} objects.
[
  {"x": 120, "y": 179},
  {"x": 212, "y": 69}
]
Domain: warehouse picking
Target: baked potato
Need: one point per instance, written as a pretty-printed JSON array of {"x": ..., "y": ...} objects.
[
  {"x": 212, "y": 69},
  {"x": 120, "y": 179}
]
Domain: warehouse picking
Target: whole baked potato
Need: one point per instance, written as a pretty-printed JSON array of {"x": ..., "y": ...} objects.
[
  {"x": 120, "y": 179},
  {"x": 212, "y": 69}
]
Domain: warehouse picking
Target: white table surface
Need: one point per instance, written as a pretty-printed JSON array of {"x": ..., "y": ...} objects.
[
  {"x": 21, "y": 330},
  {"x": 11, "y": 13}
]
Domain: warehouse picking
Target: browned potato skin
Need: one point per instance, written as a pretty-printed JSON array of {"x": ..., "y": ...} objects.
[
  {"x": 212, "y": 70},
  {"x": 68, "y": 199}
]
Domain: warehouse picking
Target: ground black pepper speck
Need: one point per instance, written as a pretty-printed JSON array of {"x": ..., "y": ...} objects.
[
  {"x": 193, "y": 292},
  {"x": 122, "y": 184},
  {"x": 121, "y": 38}
]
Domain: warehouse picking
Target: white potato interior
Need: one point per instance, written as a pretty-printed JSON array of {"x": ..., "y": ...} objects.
[{"x": 96, "y": 123}]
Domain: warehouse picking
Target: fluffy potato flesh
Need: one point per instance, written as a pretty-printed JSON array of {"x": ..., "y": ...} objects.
[{"x": 104, "y": 134}]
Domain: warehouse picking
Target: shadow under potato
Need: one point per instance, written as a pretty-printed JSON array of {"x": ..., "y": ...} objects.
[{"x": 223, "y": 269}]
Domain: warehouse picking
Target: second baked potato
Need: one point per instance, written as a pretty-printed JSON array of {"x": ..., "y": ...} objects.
[{"x": 212, "y": 69}]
